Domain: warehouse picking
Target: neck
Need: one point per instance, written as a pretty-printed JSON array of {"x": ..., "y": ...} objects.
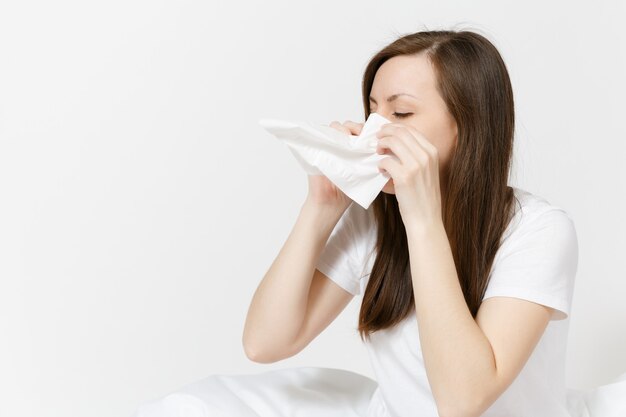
[{"x": 443, "y": 187}]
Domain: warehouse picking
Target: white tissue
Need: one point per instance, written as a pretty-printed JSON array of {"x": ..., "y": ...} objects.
[{"x": 348, "y": 161}]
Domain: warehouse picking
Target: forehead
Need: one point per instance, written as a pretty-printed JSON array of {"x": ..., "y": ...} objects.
[{"x": 412, "y": 74}]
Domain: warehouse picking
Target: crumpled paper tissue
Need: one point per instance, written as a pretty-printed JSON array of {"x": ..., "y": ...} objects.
[{"x": 348, "y": 161}]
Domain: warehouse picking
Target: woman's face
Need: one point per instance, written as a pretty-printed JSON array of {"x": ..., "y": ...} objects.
[{"x": 406, "y": 84}]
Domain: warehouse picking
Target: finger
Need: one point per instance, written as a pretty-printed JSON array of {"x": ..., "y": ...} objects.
[
  {"x": 403, "y": 134},
  {"x": 354, "y": 127},
  {"x": 390, "y": 167},
  {"x": 398, "y": 148},
  {"x": 402, "y": 143},
  {"x": 410, "y": 138},
  {"x": 335, "y": 124},
  {"x": 422, "y": 141}
]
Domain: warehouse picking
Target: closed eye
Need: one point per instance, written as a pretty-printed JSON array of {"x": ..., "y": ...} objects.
[{"x": 402, "y": 115}]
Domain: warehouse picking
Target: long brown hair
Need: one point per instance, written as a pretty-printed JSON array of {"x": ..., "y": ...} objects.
[{"x": 473, "y": 81}]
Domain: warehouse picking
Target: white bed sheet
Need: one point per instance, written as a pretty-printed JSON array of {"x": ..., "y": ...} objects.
[{"x": 327, "y": 392}]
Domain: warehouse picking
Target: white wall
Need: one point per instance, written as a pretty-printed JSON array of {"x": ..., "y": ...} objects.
[{"x": 141, "y": 203}]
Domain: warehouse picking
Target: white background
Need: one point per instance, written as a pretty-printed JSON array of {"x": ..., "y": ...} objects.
[{"x": 141, "y": 203}]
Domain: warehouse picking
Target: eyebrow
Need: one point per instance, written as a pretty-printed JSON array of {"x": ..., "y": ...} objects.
[{"x": 394, "y": 96}]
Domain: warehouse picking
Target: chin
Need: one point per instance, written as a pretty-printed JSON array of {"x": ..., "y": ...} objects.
[{"x": 389, "y": 188}]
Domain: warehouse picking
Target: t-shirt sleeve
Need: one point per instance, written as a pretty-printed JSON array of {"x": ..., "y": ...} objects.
[
  {"x": 341, "y": 259},
  {"x": 539, "y": 263}
]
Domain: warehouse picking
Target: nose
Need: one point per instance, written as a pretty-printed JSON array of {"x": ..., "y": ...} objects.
[
  {"x": 383, "y": 113},
  {"x": 386, "y": 113}
]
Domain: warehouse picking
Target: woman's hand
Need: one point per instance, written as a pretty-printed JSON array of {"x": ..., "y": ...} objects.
[
  {"x": 321, "y": 190},
  {"x": 414, "y": 167}
]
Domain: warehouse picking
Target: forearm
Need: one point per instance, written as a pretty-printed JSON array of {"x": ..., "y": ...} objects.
[
  {"x": 457, "y": 354},
  {"x": 279, "y": 303}
]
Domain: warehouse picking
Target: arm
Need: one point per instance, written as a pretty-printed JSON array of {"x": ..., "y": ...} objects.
[
  {"x": 468, "y": 363},
  {"x": 277, "y": 311}
]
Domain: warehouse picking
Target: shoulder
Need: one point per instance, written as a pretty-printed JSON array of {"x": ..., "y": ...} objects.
[
  {"x": 362, "y": 220},
  {"x": 538, "y": 257},
  {"x": 535, "y": 215},
  {"x": 364, "y": 232},
  {"x": 538, "y": 229},
  {"x": 354, "y": 231}
]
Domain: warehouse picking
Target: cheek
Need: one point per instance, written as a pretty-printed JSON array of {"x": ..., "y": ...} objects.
[
  {"x": 441, "y": 134},
  {"x": 445, "y": 146}
]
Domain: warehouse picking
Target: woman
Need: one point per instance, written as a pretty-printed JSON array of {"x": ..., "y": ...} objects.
[
  {"x": 478, "y": 311},
  {"x": 465, "y": 282}
]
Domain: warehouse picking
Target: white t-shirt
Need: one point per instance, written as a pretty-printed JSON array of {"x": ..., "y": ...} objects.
[{"x": 537, "y": 261}]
